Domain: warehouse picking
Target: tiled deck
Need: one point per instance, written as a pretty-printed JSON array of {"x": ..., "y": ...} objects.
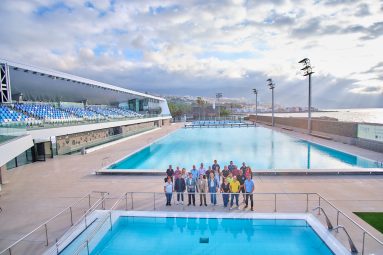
[{"x": 37, "y": 191}]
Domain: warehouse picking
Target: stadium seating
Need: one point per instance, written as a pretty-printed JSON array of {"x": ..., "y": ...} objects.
[
  {"x": 83, "y": 113},
  {"x": 113, "y": 112},
  {"x": 125, "y": 112},
  {"x": 39, "y": 113},
  {"x": 9, "y": 115},
  {"x": 46, "y": 112}
]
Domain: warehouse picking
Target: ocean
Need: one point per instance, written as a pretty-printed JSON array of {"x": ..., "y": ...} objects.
[{"x": 367, "y": 115}]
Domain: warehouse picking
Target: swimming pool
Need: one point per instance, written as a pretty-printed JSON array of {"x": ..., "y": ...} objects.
[
  {"x": 199, "y": 235},
  {"x": 259, "y": 147}
]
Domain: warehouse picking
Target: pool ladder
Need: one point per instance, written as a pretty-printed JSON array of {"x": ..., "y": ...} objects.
[{"x": 330, "y": 227}]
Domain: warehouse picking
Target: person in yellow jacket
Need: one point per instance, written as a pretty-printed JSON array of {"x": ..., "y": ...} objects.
[{"x": 234, "y": 190}]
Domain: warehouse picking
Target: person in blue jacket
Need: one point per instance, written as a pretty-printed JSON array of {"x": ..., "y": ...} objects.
[
  {"x": 213, "y": 185},
  {"x": 191, "y": 188}
]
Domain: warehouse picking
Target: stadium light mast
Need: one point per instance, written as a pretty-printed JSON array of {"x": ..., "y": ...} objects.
[
  {"x": 307, "y": 71},
  {"x": 272, "y": 86},
  {"x": 255, "y": 91},
  {"x": 218, "y": 96}
]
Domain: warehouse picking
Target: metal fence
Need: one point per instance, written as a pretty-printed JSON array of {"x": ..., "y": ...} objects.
[
  {"x": 49, "y": 232},
  {"x": 56, "y": 232},
  {"x": 351, "y": 234}
]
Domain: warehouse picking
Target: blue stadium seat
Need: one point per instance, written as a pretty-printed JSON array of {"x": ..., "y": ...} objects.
[{"x": 9, "y": 115}]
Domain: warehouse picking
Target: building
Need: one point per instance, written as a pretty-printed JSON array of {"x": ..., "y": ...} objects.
[{"x": 44, "y": 113}]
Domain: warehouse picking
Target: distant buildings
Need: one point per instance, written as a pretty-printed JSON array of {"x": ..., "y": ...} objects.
[{"x": 233, "y": 105}]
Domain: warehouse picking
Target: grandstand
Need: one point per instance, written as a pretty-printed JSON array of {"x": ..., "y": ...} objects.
[{"x": 44, "y": 113}]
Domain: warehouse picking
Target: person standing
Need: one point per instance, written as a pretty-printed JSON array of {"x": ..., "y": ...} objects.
[
  {"x": 184, "y": 174},
  {"x": 234, "y": 190},
  {"x": 243, "y": 168},
  {"x": 231, "y": 166},
  {"x": 241, "y": 178},
  {"x": 225, "y": 190},
  {"x": 208, "y": 171},
  {"x": 229, "y": 178},
  {"x": 180, "y": 187},
  {"x": 170, "y": 172},
  {"x": 177, "y": 173},
  {"x": 217, "y": 170},
  {"x": 215, "y": 166},
  {"x": 225, "y": 172},
  {"x": 191, "y": 187},
  {"x": 168, "y": 189},
  {"x": 235, "y": 171},
  {"x": 213, "y": 189},
  {"x": 194, "y": 173},
  {"x": 202, "y": 189},
  {"x": 249, "y": 188},
  {"x": 201, "y": 170}
]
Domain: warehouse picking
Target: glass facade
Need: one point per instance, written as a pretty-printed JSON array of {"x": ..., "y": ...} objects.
[{"x": 24, "y": 158}]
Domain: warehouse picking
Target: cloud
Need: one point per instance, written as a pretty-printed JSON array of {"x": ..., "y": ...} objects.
[
  {"x": 363, "y": 10},
  {"x": 378, "y": 90},
  {"x": 199, "y": 47}
]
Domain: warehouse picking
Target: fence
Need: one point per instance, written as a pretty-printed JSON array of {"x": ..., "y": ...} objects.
[
  {"x": 55, "y": 228},
  {"x": 351, "y": 234}
]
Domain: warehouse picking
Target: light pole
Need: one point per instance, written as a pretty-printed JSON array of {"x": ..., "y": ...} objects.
[
  {"x": 307, "y": 72},
  {"x": 218, "y": 96},
  {"x": 272, "y": 86},
  {"x": 255, "y": 91}
]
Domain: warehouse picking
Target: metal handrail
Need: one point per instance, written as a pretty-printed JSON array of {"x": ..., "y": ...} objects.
[
  {"x": 46, "y": 222},
  {"x": 93, "y": 233},
  {"x": 44, "y": 225},
  {"x": 275, "y": 194},
  {"x": 125, "y": 197},
  {"x": 365, "y": 232},
  {"x": 329, "y": 225},
  {"x": 351, "y": 243},
  {"x": 100, "y": 201}
]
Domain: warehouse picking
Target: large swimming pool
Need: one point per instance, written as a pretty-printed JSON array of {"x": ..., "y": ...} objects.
[
  {"x": 259, "y": 147},
  {"x": 149, "y": 235}
]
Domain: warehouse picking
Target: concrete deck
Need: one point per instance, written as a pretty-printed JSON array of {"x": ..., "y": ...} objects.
[{"x": 38, "y": 191}]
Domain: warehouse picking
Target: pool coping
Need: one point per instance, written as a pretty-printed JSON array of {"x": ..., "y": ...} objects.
[
  {"x": 325, "y": 235},
  {"x": 260, "y": 172},
  {"x": 351, "y": 171}
]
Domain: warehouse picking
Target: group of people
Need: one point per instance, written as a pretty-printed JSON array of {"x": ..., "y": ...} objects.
[{"x": 230, "y": 182}]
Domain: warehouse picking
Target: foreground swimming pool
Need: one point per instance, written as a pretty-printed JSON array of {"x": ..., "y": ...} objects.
[
  {"x": 259, "y": 147},
  {"x": 149, "y": 235}
]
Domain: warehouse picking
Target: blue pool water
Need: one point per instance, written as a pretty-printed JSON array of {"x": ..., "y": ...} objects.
[
  {"x": 168, "y": 236},
  {"x": 260, "y": 148}
]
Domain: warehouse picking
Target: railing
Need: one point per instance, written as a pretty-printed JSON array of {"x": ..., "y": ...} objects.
[
  {"x": 43, "y": 125},
  {"x": 47, "y": 233},
  {"x": 356, "y": 235},
  {"x": 9, "y": 132},
  {"x": 82, "y": 219}
]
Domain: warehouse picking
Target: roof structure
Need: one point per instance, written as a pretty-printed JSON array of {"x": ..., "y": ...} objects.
[{"x": 42, "y": 84}]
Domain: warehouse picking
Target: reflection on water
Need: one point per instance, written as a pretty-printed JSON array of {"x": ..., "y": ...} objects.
[
  {"x": 260, "y": 148},
  {"x": 146, "y": 235}
]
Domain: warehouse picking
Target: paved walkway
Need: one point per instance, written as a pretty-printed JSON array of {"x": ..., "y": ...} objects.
[{"x": 37, "y": 191}]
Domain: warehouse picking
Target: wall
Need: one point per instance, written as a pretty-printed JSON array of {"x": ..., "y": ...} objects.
[
  {"x": 72, "y": 142},
  {"x": 346, "y": 132},
  {"x": 45, "y": 134},
  {"x": 11, "y": 149},
  {"x": 347, "y": 129}
]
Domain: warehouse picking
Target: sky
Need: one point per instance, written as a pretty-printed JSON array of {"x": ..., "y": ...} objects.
[{"x": 202, "y": 47}]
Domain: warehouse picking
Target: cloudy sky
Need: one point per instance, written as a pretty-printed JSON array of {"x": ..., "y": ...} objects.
[{"x": 202, "y": 47}]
